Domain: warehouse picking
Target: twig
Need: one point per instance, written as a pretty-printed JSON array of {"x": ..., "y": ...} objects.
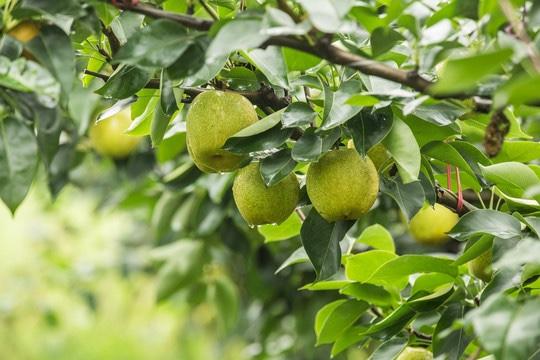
[
  {"x": 283, "y": 6},
  {"x": 209, "y": 10},
  {"x": 265, "y": 96},
  {"x": 301, "y": 214},
  {"x": 421, "y": 335},
  {"x": 520, "y": 32}
]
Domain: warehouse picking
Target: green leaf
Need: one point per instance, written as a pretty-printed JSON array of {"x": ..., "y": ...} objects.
[
  {"x": 267, "y": 140},
  {"x": 167, "y": 98},
  {"x": 18, "y": 161},
  {"x": 271, "y": 63},
  {"x": 486, "y": 222},
  {"x": 463, "y": 74},
  {"x": 369, "y": 128},
  {"x": 156, "y": 45},
  {"x": 326, "y": 15},
  {"x": 409, "y": 197},
  {"x": 160, "y": 122},
  {"x": 183, "y": 267},
  {"x": 333, "y": 319},
  {"x": 124, "y": 82},
  {"x": 370, "y": 293},
  {"x": 27, "y": 76},
  {"x": 260, "y": 126},
  {"x": 389, "y": 349},
  {"x": 313, "y": 144},
  {"x": 298, "y": 114},
  {"x": 383, "y": 39},
  {"x": 518, "y": 90},
  {"x": 52, "y": 49},
  {"x": 191, "y": 63},
  {"x": 326, "y": 285},
  {"x": 298, "y": 256},
  {"x": 321, "y": 242},
  {"x": 276, "y": 167},
  {"x": 445, "y": 153},
  {"x": 362, "y": 100},
  {"x": 520, "y": 151},
  {"x": 347, "y": 338},
  {"x": 512, "y": 178},
  {"x": 241, "y": 78},
  {"x": 447, "y": 341},
  {"x": 238, "y": 34},
  {"x": 226, "y": 300},
  {"x": 392, "y": 324},
  {"x": 402, "y": 145},
  {"x": 361, "y": 267},
  {"x": 506, "y": 328},
  {"x": 377, "y": 237},
  {"x": 336, "y": 111},
  {"x": 298, "y": 60},
  {"x": 475, "y": 249},
  {"x": 406, "y": 265}
]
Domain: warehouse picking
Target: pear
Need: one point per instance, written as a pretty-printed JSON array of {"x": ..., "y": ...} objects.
[
  {"x": 481, "y": 266},
  {"x": 25, "y": 31},
  {"x": 415, "y": 353},
  {"x": 342, "y": 185},
  {"x": 260, "y": 204},
  {"x": 108, "y": 135},
  {"x": 430, "y": 225},
  {"x": 213, "y": 117}
]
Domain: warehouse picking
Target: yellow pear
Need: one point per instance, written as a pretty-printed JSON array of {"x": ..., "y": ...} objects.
[
  {"x": 342, "y": 185},
  {"x": 260, "y": 204},
  {"x": 25, "y": 31},
  {"x": 415, "y": 353},
  {"x": 213, "y": 117},
  {"x": 108, "y": 135},
  {"x": 430, "y": 225},
  {"x": 481, "y": 266}
]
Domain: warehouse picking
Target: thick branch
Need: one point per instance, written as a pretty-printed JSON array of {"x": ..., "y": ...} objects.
[{"x": 323, "y": 49}]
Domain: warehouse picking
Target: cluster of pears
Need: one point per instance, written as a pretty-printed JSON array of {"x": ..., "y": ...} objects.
[{"x": 341, "y": 185}]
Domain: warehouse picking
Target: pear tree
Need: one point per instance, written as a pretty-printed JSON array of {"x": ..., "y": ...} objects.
[{"x": 332, "y": 177}]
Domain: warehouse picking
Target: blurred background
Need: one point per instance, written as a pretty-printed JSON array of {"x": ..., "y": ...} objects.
[{"x": 80, "y": 278}]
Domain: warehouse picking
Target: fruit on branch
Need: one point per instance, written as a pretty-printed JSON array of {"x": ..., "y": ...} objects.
[
  {"x": 342, "y": 185},
  {"x": 481, "y": 266},
  {"x": 415, "y": 353},
  {"x": 213, "y": 117},
  {"x": 378, "y": 154},
  {"x": 430, "y": 225},
  {"x": 108, "y": 136},
  {"x": 260, "y": 204},
  {"x": 25, "y": 31}
]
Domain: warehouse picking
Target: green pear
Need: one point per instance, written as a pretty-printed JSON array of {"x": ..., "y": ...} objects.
[
  {"x": 415, "y": 353},
  {"x": 342, "y": 185},
  {"x": 260, "y": 204},
  {"x": 213, "y": 117},
  {"x": 481, "y": 266},
  {"x": 430, "y": 225}
]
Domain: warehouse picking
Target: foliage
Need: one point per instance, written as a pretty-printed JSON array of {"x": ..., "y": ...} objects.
[{"x": 449, "y": 88}]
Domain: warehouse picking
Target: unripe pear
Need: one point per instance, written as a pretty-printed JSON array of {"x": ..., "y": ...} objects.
[
  {"x": 213, "y": 117},
  {"x": 342, "y": 185},
  {"x": 25, "y": 31},
  {"x": 260, "y": 204},
  {"x": 481, "y": 266},
  {"x": 430, "y": 225},
  {"x": 108, "y": 135},
  {"x": 415, "y": 353}
]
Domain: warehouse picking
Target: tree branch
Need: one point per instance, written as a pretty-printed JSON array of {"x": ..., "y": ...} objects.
[
  {"x": 263, "y": 97},
  {"x": 323, "y": 49}
]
